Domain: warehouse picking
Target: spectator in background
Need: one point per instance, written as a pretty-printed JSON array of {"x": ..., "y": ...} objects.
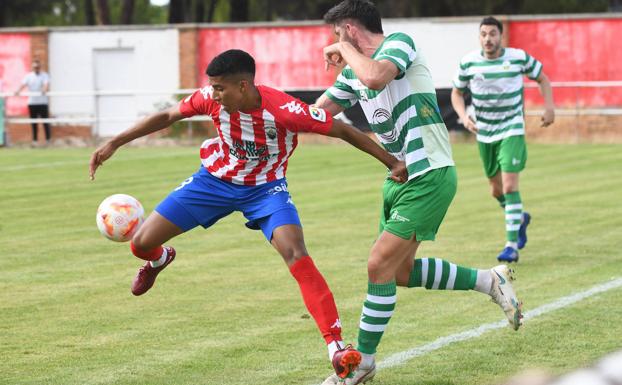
[{"x": 37, "y": 81}]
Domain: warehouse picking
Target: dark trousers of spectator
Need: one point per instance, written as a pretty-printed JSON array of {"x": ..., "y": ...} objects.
[{"x": 39, "y": 111}]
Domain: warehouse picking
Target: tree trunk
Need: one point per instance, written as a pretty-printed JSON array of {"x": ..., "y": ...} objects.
[
  {"x": 199, "y": 11},
  {"x": 176, "y": 11},
  {"x": 268, "y": 14},
  {"x": 127, "y": 12},
  {"x": 89, "y": 12},
  {"x": 3, "y": 8},
  {"x": 210, "y": 12},
  {"x": 238, "y": 10},
  {"x": 103, "y": 12}
]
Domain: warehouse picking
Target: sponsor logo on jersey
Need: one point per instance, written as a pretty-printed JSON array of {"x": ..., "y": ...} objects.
[
  {"x": 245, "y": 150},
  {"x": 318, "y": 114},
  {"x": 380, "y": 116},
  {"x": 293, "y": 107},
  {"x": 397, "y": 217},
  {"x": 384, "y": 125}
]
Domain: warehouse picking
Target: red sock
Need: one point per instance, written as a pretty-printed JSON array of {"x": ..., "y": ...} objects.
[
  {"x": 149, "y": 255},
  {"x": 318, "y": 298}
]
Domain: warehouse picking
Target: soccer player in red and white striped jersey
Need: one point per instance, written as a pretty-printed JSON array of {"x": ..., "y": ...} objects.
[{"x": 244, "y": 170}]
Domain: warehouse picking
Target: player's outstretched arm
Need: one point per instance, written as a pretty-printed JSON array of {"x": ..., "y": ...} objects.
[
  {"x": 146, "y": 126},
  {"x": 364, "y": 143}
]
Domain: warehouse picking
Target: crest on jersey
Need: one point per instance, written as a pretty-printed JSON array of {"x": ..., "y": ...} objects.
[
  {"x": 270, "y": 132},
  {"x": 317, "y": 113},
  {"x": 506, "y": 65},
  {"x": 426, "y": 112}
]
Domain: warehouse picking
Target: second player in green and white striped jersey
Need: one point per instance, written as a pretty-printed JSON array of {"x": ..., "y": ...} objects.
[
  {"x": 496, "y": 87},
  {"x": 494, "y": 76},
  {"x": 404, "y": 114}
]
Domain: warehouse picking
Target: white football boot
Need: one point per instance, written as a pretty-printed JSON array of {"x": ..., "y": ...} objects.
[
  {"x": 361, "y": 376},
  {"x": 503, "y": 295}
]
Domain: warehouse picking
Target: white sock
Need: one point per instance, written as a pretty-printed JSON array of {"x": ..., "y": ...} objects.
[
  {"x": 483, "y": 282},
  {"x": 333, "y": 347},
  {"x": 368, "y": 360},
  {"x": 161, "y": 260},
  {"x": 513, "y": 245}
]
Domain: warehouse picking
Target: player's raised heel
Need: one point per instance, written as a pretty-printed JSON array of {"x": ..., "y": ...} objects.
[
  {"x": 147, "y": 274},
  {"x": 522, "y": 231},
  {"x": 508, "y": 254},
  {"x": 345, "y": 361},
  {"x": 502, "y": 294}
]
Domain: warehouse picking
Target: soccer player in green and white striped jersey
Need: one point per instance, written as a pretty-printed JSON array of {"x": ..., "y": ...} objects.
[
  {"x": 392, "y": 83},
  {"x": 494, "y": 77}
]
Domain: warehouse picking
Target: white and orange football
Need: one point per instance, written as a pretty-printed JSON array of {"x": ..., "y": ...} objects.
[{"x": 119, "y": 216}]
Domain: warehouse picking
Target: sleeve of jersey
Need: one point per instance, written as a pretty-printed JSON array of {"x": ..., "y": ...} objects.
[
  {"x": 461, "y": 80},
  {"x": 398, "y": 48},
  {"x": 199, "y": 103},
  {"x": 314, "y": 119},
  {"x": 341, "y": 92},
  {"x": 532, "y": 68}
]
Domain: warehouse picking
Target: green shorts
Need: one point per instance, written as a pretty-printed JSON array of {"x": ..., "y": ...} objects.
[
  {"x": 509, "y": 154},
  {"x": 419, "y": 205}
]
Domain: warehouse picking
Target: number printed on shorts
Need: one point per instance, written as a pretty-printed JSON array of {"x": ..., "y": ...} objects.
[{"x": 187, "y": 181}]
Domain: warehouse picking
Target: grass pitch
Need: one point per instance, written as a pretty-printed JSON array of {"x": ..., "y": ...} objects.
[{"x": 228, "y": 312}]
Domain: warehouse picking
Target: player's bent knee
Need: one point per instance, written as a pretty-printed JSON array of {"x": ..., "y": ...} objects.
[
  {"x": 293, "y": 255},
  {"x": 375, "y": 265},
  {"x": 140, "y": 242}
]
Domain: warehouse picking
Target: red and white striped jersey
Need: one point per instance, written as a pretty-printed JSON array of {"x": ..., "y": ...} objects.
[{"x": 255, "y": 145}]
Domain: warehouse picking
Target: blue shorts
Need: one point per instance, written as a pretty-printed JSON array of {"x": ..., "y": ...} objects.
[{"x": 203, "y": 199}]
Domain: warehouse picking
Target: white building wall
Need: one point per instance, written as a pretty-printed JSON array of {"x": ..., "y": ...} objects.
[
  {"x": 155, "y": 67},
  {"x": 442, "y": 42}
]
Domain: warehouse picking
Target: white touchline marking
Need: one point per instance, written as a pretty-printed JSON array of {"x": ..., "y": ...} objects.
[{"x": 400, "y": 358}]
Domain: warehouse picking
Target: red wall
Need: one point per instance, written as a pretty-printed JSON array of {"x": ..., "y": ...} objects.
[
  {"x": 286, "y": 57},
  {"x": 14, "y": 65},
  {"x": 574, "y": 50}
]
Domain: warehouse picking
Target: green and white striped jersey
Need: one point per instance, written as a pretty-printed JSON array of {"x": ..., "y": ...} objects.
[
  {"x": 404, "y": 115},
  {"x": 497, "y": 91}
]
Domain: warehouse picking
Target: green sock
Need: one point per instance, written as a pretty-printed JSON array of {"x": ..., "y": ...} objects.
[
  {"x": 377, "y": 311},
  {"x": 438, "y": 274},
  {"x": 513, "y": 215},
  {"x": 501, "y": 199}
]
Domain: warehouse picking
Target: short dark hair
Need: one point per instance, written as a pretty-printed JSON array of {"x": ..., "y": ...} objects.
[
  {"x": 489, "y": 20},
  {"x": 231, "y": 62},
  {"x": 362, "y": 11}
]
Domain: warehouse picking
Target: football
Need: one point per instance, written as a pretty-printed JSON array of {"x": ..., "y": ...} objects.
[{"x": 119, "y": 217}]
